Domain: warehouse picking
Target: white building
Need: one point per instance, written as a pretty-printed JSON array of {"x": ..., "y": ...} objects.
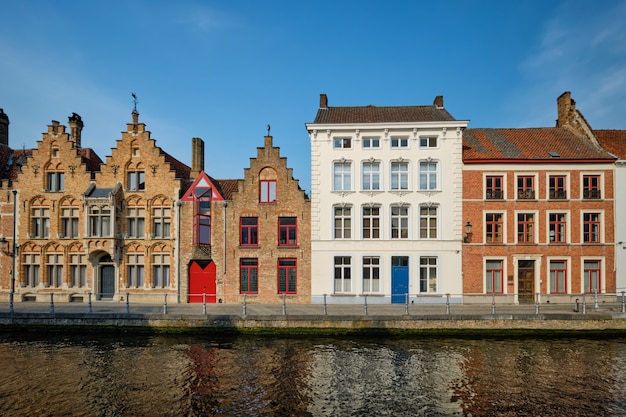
[{"x": 386, "y": 195}]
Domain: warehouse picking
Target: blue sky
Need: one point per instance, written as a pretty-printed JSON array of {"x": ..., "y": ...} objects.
[{"x": 223, "y": 70}]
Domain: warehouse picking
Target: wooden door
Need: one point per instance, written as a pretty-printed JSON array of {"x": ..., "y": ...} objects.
[
  {"x": 202, "y": 280},
  {"x": 525, "y": 281}
]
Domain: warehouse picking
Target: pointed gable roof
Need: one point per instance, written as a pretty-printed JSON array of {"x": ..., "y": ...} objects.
[{"x": 203, "y": 181}]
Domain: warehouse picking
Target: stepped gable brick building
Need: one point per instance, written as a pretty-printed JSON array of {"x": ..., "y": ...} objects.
[
  {"x": 614, "y": 141},
  {"x": 386, "y": 192},
  {"x": 539, "y": 208},
  {"x": 85, "y": 226},
  {"x": 248, "y": 237}
]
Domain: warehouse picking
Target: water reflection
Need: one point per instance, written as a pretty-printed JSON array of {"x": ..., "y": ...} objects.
[{"x": 262, "y": 376}]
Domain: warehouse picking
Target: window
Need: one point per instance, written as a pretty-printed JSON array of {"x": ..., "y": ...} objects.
[
  {"x": 371, "y": 176},
  {"x": 267, "y": 191},
  {"x": 78, "y": 270},
  {"x": 558, "y": 277},
  {"x": 371, "y": 274},
  {"x": 135, "y": 265},
  {"x": 591, "y": 276},
  {"x": 161, "y": 269},
  {"x": 591, "y": 187},
  {"x": 557, "y": 227},
  {"x": 493, "y": 228},
  {"x": 202, "y": 217},
  {"x": 494, "y": 275},
  {"x": 287, "y": 231},
  {"x": 136, "y": 220},
  {"x": 54, "y": 270},
  {"x": 399, "y": 142},
  {"x": 557, "y": 190},
  {"x": 287, "y": 276},
  {"x": 525, "y": 228},
  {"x": 41, "y": 222},
  {"x": 249, "y": 231},
  {"x": 428, "y": 222},
  {"x": 56, "y": 181},
  {"x": 428, "y": 142},
  {"x": 494, "y": 187},
  {"x": 136, "y": 180},
  {"x": 371, "y": 222},
  {"x": 341, "y": 176},
  {"x": 399, "y": 222},
  {"x": 99, "y": 221},
  {"x": 343, "y": 274},
  {"x": 591, "y": 227},
  {"x": 248, "y": 275},
  {"x": 399, "y": 176},
  {"x": 161, "y": 220},
  {"x": 428, "y": 274},
  {"x": 428, "y": 175},
  {"x": 525, "y": 187},
  {"x": 342, "y": 143},
  {"x": 69, "y": 222},
  {"x": 369, "y": 143},
  {"x": 343, "y": 222},
  {"x": 31, "y": 269}
]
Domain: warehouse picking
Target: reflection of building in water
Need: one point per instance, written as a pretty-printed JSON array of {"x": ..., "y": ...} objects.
[{"x": 406, "y": 377}]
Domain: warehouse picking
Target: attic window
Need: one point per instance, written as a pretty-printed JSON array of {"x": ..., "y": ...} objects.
[{"x": 554, "y": 154}]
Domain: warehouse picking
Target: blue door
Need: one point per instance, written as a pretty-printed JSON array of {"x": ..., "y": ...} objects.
[{"x": 399, "y": 279}]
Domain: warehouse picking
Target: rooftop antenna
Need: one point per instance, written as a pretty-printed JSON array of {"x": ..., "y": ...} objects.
[{"x": 135, "y": 101}]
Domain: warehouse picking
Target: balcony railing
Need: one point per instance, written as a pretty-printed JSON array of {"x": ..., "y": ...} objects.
[
  {"x": 592, "y": 194},
  {"x": 525, "y": 194},
  {"x": 557, "y": 195},
  {"x": 495, "y": 195}
]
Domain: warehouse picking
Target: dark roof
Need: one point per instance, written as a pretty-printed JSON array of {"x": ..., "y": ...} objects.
[
  {"x": 385, "y": 114},
  {"x": 98, "y": 192},
  {"x": 613, "y": 141},
  {"x": 226, "y": 187},
  {"x": 182, "y": 170},
  {"x": 91, "y": 159},
  {"x": 537, "y": 144}
]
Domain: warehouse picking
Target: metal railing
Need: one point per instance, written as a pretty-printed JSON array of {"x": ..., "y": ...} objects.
[{"x": 327, "y": 304}]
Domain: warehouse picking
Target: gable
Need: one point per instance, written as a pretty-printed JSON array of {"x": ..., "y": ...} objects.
[{"x": 202, "y": 182}]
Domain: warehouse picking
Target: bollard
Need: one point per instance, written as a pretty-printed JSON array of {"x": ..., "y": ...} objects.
[
  {"x": 365, "y": 304},
  {"x": 576, "y": 306},
  {"x": 51, "y": 303},
  {"x": 406, "y": 304},
  {"x": 595, "y": 299},
  {"x": 11, "y": 303},
  {"x": 89, "y": 307},
  {"x": 537, "y": 303},
  {"x": 204, "y": 303},
  {"x": 127, "y": 303},
  {"x": 493, "y": 304},
  {"x": 165, "y": 305},
  {"x": 284, "y": 304},
  {"x": 245, "y": 307},
  {"x": 325, "y": 307},
  {"x": 584, "y": 304},
  {"x": 623, "y": 302},
  {"x": 448, "y": 304}
]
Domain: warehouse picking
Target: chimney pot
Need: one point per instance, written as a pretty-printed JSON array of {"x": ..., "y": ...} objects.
[{"x": 323, "y": 101}]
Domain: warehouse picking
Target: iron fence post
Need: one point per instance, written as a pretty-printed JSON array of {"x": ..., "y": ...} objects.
[
  {"x": 245, "y": 307},
  {"x": 448, "y": 304},
  {"x": 51, "y": 303},
  {"x": 89, "y": 307},
  {"x": 584, "y": 304},
  {"x": 493, "y": 304},
  {"x": 127, "y": 303},
  {"x": 537, "y": 303},
  {"x": 406, "y": 304},
  {"x": 623, "y": 302},
  {"x": 365, "y": 303},
  {"x": 204, "y": 303},
  {"x": 165, "y": 304},
  {"x": 595, "y": 299},
  {"x": 284, "y": 304},
  {"x": 325, "y": 306}
]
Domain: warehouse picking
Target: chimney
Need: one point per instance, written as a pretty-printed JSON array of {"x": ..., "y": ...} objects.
[
  {"x": 566, "y": 107},
  {"x": 135, "y": 117},
  {"x": 438, "y": 103},
  {"x": 76, "y": 128},
  {"x": 4, "y": 128},
  {"x": 323, "y": 101},
  {"x": 197, "y": 157}
]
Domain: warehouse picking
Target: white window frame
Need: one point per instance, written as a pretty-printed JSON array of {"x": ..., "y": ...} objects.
[
  {"x": 371, "y": 175},
  {"x": 429, "y": 174}
]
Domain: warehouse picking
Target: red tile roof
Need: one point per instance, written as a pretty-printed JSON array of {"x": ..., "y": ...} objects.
[
  {"x": 375, "y": 114},
  {"x": 227, "y": 187},
  {"x": 539, "y": 144},
  {"x": 613, "y": 141}
]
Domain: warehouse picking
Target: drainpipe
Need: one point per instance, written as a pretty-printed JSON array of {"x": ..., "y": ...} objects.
[
  {"x": 224, "y": 204},
  {"x": 178, "y": 204}
]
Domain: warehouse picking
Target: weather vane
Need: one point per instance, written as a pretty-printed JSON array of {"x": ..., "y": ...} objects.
[
  {"x": 268, "y": 129},
  {"x": 134, "y": 102}
]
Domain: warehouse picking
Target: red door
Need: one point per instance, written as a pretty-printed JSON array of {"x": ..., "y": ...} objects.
[{"x": 202, "y": 280}]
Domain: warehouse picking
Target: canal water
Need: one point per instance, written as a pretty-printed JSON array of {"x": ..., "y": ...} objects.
[{"x": 148, "y": 375}]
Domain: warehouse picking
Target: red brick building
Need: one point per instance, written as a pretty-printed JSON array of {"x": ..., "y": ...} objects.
[{"x": 540, "y": 202}]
